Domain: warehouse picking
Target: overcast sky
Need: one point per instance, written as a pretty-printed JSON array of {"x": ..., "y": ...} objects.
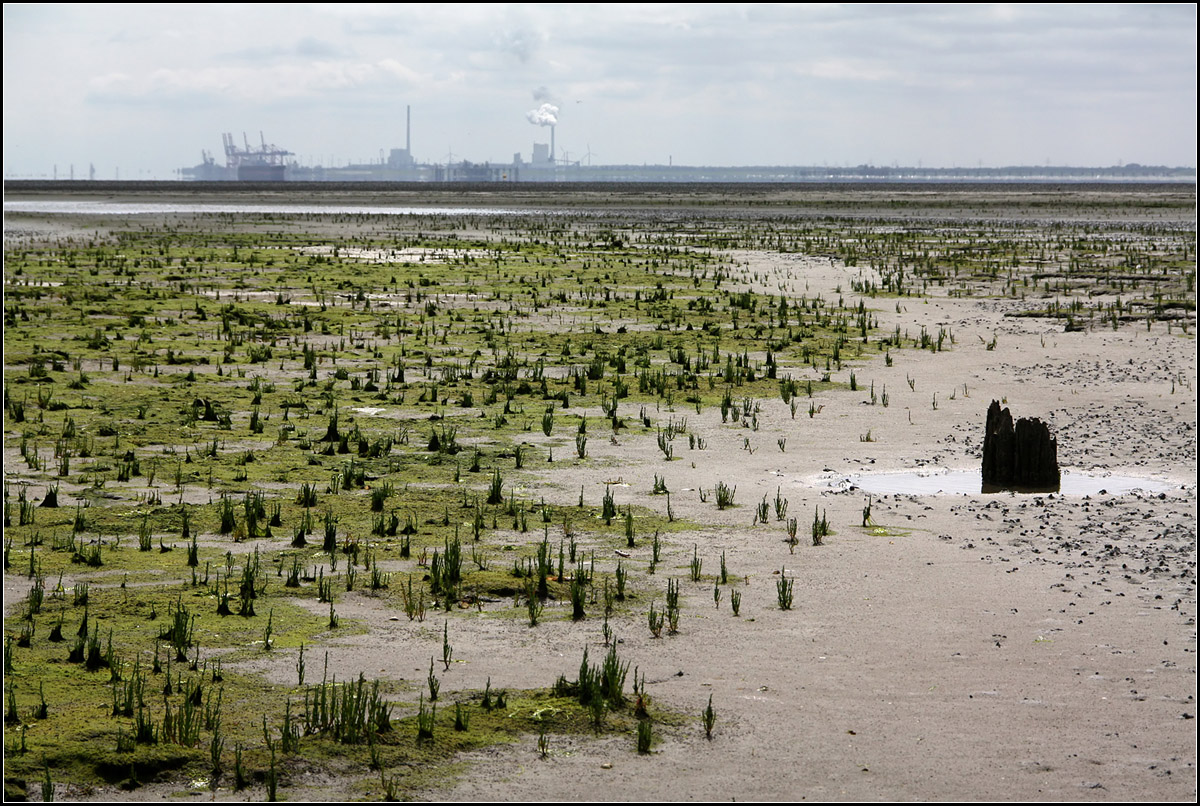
[{"x": 145, "y": 88}]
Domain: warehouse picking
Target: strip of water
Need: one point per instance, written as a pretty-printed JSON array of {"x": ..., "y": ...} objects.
[{"x": 145, "y": 208}]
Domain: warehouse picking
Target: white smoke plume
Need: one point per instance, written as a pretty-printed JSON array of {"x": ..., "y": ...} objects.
[{"x": 544, "y": 115}]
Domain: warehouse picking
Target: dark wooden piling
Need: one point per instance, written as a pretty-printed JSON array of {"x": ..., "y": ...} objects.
[{"x": 1021, "y": 457}]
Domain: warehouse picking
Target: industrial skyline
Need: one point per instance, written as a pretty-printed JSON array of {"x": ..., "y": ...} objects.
[
  {"x": 264, "y": 162},
  {"x": 98, "y": 90}
]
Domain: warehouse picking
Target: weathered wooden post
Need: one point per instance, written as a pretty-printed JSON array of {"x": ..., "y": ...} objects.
[{"x": 1023, "y": 457}]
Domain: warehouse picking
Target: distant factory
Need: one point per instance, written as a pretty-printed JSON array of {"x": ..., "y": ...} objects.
[{"x": 266, "y": 162}]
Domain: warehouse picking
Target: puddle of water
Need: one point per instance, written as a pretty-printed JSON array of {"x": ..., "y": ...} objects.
[{"x": 970, "y": 482}]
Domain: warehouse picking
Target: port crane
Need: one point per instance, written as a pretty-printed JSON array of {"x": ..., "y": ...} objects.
[{"x": 264, "y": 154}]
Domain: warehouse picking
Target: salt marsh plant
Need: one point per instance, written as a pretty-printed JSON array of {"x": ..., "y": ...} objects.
[
  {"x": 655, "y": 620},
  {"x": 179, "y": 632},
  {"x": 612, "y": 678},
  {"x": 709, "y": 718},
  {"x": 820, "y": 528},
  {"x": 793, "y": 526},
  {"x": 784, "y": 590},
  {"x": 349, "y": 713},
  {"x": 608, "y": 506},
  {"x": 380, "y": 495},
  {"x": 781, "y": 505},
  {"x": 599, "y": 687},
  {"x": 496, "y": 488},
  {"x": 462, "y": 717},
  {"x": 645, "y": 736},
  {"x": 425, "y": 720},
  {"x": 672, "y": 614},
  {"x": 379, "y": 579},
  {"x": 533, "y": 605},
  {"x": 761, "y": 511},
  {"x": 579, "y": 591},
  {"x": 228, "y": 519},
  {"x": 665, "y": 446},
  {"x": 414, "y": 602},
  {"x": 268, "y": 630}
]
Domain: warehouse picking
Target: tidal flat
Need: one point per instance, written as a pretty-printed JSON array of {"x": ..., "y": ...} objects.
[{"x": 521, "y": 492}]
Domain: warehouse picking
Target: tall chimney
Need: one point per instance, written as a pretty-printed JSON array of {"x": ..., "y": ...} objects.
[
  {"x": 551, "y": 143},
  {"x": 408, "y": 130}
]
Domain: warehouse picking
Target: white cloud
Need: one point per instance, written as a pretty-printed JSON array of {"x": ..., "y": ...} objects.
[{"x": 850, "y": 70}]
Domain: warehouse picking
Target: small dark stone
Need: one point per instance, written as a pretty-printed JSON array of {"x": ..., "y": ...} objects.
[{"x": 1021, "y": 457}]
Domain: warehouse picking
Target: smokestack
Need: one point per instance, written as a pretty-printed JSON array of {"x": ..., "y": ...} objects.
[
  {"x": 408, "y": 130},
  {"x": 545, "y": 115}
]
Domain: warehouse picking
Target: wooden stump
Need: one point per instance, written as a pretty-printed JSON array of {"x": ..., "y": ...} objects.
[{"x": 1021, "y": 457}]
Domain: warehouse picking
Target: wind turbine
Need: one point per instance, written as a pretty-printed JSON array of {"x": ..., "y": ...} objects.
[{"x": 588, "y": 155}]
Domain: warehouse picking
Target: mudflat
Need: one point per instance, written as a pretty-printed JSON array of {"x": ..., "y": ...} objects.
[{"x": 776, "y": 345}]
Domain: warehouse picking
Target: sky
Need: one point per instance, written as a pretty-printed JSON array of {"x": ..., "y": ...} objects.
[{"x": 138, "y": 91}]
